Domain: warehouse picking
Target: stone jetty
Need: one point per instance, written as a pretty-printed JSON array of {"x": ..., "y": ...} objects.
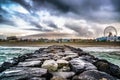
[{"x": 59, "y": 63}]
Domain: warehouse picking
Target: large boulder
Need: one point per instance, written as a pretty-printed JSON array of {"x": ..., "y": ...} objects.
[
  {"x": 78, "y": 65},
  {"x": 51, "y": 65},
  {"x": 5, "y": 66},
  {"x": 93, "y": 75},
  {"x": 108, "y": 67},
  {"x": 22, "y": 73},
  {"x": 30, "y": 64}
]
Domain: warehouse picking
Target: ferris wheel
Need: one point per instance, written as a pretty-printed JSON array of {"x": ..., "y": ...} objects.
[{"x": 110, "y": 31}]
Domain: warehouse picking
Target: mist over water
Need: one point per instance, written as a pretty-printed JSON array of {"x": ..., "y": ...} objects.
[{"x": 111, "y": 54}]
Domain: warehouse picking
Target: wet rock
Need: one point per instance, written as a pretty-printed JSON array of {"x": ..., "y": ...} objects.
[
  {"x": 108, "y": 67},
  {"x": 19, "y": 73},
  {"x": 30, "y": 64},
  {"x": 64, "y": 74},
  {"x": 5, "y": 66},
  {"x": 93, "y": 75},
  {"x": 15, "y": 61},
  {"x": 37, "y": 52},
  {"x": 83, "y": 53},
  {"x": 78, "y": 65},
  {"x": 51, "y": 65},
  {"x": 62, "y": 63}
]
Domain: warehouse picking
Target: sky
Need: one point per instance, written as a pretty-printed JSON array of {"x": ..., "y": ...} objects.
[{"x": 58, "y": 18}]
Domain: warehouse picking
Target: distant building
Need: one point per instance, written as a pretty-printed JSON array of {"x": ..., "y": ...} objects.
[
  {"x": 102, "y": 39},
  {"x": 3, "y": 37},
  {"x": 12, "y": 38},
  {"x": 109, "y": 39},
  {"x": 62, "y": 40}
]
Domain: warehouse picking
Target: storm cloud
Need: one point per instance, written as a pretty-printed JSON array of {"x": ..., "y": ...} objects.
[{"x": 62, "y": 16}]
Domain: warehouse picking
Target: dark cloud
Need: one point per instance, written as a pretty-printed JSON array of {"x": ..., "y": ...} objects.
[
  {"x": 51, "y": 24},
  {"x": 116, "y": 4},
  {"x": 23, "y": 3},
  {"x": 5, "y": 21},
  {"x": 81, "y": 31},
  {"x": 40, "y": 29},
  {"x": 59, "y": 5},
  {"x": 93, "y": 11}
]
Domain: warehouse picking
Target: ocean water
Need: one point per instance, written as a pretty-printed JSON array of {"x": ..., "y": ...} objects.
[
  {"x": 7, "y": 53},
  {"x": 111, "y": 54}
]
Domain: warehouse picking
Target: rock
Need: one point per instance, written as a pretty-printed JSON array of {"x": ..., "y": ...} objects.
[
  {"x": 78, "y": 65},
  {"x": 67, "y": 53},
  {"x": 70, "y": 57},
  {"x": 57, "y": 78},
  {"x": 54, "y": 56},
  {"x": 21, "y": 73},
  {"x": 30, "y": 64},
  {"x": 61, "y": 54},
  {"x": 108, "y": 67},
  {"x": 64, "y": 69},
  {"x": 37, "y": 52},
  {"x": 88, "y": 58},
  {"x": 93, "y": 75},
  {"x": 83, "y": 53},
  {"x": 5, "y": 66},
  {"x": 62, "y": 63},
  {"x": 51, "y": 65},
  {"x": 64, "y": 74},
  {"x": 37, "y": 78}
]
